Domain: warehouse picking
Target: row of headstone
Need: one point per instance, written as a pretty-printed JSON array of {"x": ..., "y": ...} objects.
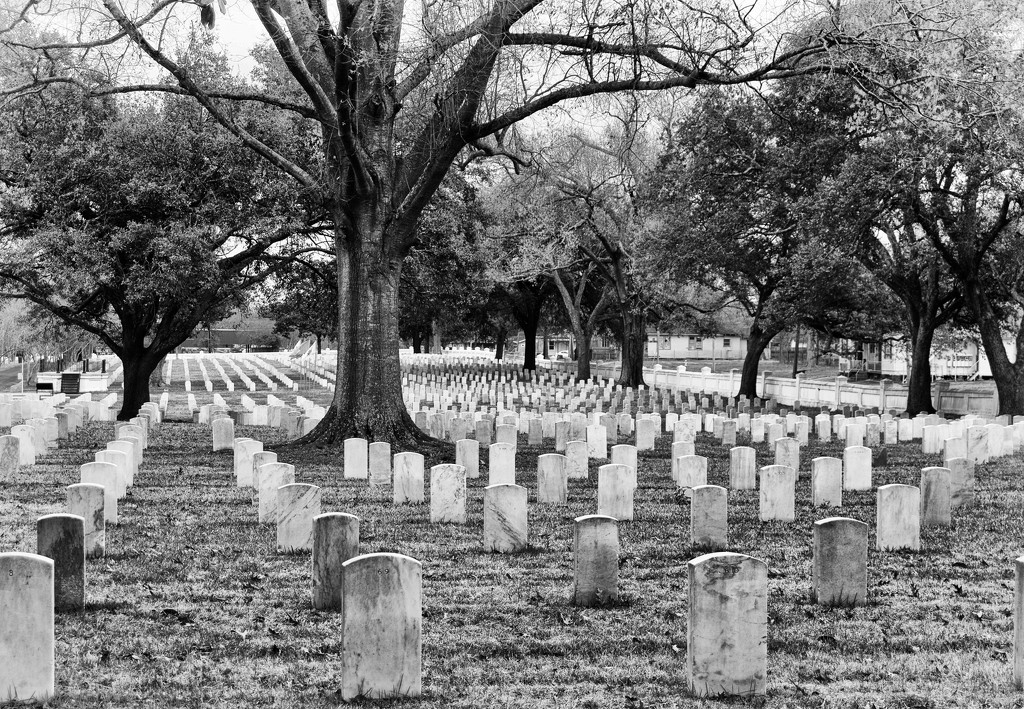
[
  {"x": 38, "y": 435},
  {"x": 377, "y": 595},
  {"x": 33, "y": 587}
]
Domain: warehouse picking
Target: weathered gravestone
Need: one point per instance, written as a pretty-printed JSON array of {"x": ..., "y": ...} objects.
[
  {"x": 467, "y": 454},
  {"x": 709, "y": 517},
  {"x": 272, "y": 476},
  {"x": 954, "y": 448},
  {"x": 597, "y": 442},
  {"x": 357, "y": 458},
  {"x": 408, "y": 479},
  {"x": 961, "y": 481},
  {"x": 624, "y": 454},
  {"x": 335, "y": 541},
  {"x": 124, "y": 468},
  {"x": 577, "y": 466},
  {"x": 552, "y": 482},
  {"x": 646, "y": 433},
  {"x": 692, "y": 470},
  {"x": 905, "y": 429},
  {"x": 890, "y": 432},
  {"x": 727, "y": 629},
  {"x": 245, "y": 449},
  {"x": 501, "y": 464},
  {"x": 561, "y": 435},
  {"x": 757, "y": 430},
  {"x": 856, "y": 433},
  {"x": 223, "y": 434},
  {"x": 380, "y": 463},
  {"x": 787, "y": 453},
  {"x": 505, "y": 433},
  {"x": 742, "y": 468},
  {"x": 26, "y": 444},
  {"x": 61, "y": 537},
  {"x": 26, "y": 633},
  {"x": 137, "y": 447},
  {"x": 505, "y": 521},
  {"x": 535, "y": 434},
  {"x": 86, "y": 500},
  {"x": 104, "y": 474},
  {"x": 898, "y": 524},
  {"x": 297, "y": 505},
  {"x": 483, "y": 432},
  {"x": 827, "y": 482},
  {"x": 729, "y": 432},
  {"x": 258, "y": 461},
  {"x": 615, "y": 492},
  {"x": 381, "y": 619},
  {"x": 10, "y": 457},
  {"x": 857, "y": 468},
  {"x": 977, "y": 444},
  {"x": 823, "y": 427},
  {"x": 936, "y": 497},
  {"x": 679, "y": 449},
  {"x": 448, "y": 493},
  {"x": 778, "y": 493},
  {"x": 595, "y": 560},
  {"x": 994, "y": 436},
  {"x": 840, "y": 573}
]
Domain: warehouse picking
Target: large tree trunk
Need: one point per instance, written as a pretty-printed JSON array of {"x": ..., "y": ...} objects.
[
  {"x": 499, "y": 344},
  {"x": 634, "y": 342},
  {"x": 417, "y": 342},
  {"x": 584, "y": 355},
  {"x": 1009, "y": 376},
  {"x": 368, "y": 388},
  {"x": 138, "y": 368},
  {"x": 919, "y": 384},
  {"x": 530, "y": 344},
  {"x": 757, "y": 341},
  {"x": 436, "y": 345},
  {"x": 526, "y": 301}
]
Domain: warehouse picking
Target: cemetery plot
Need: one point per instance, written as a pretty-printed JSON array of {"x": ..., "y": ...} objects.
[{"x": 196, "y": 598}]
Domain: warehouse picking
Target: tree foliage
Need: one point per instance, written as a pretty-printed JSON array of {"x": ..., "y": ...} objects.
[
  {"x": 134, "y": 223},
  {"x": 731, "y": 204}
]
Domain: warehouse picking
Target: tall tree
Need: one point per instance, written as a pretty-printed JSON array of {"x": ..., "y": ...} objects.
[
  {"x": 936, "y": 190},
  {"x": 870, "y": 216},
  {"x": 394, "y": 113}
]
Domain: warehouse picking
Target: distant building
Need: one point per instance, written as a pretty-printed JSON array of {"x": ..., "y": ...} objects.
[
  {"x": 239, "y": 334},
  {"x": 963, "y": 358},
  {"x": 693, "y": 346}
]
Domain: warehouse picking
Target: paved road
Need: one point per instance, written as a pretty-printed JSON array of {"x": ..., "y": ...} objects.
[{"x": 9, "y": 376}]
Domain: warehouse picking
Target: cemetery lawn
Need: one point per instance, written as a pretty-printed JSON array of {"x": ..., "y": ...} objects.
[{"x": 193, "y": 607}]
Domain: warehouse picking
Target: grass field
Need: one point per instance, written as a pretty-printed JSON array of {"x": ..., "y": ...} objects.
[{"x": 192, "y": 606}]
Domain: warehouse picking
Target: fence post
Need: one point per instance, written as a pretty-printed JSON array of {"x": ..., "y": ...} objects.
[{"x": 840, "y": 383}]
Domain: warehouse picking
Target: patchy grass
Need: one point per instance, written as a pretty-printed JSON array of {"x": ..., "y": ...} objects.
[{"x": 193, "y": 607}]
